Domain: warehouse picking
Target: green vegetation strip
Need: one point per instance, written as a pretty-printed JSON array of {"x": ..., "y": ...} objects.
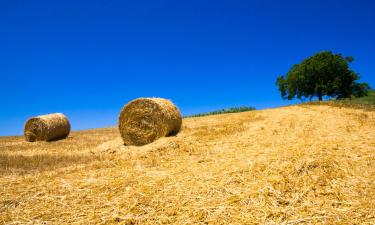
[
  {"x": 367, "y": 102},
  {"x": 223, "y": 111},
  {"x": 369, "y": 99}
]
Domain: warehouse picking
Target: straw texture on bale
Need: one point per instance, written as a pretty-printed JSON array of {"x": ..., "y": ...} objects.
[
  {"x": 144, "y": 120},
  {"x": 47, "y": 127}
]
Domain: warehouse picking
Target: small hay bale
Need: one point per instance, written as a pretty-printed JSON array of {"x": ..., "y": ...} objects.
[
  {"x": 144, "y": 120},
  {"x": 47, "y": 127}
]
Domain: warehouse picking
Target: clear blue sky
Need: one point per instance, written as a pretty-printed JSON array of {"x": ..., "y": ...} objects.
[{"x": 88, "y": 58}]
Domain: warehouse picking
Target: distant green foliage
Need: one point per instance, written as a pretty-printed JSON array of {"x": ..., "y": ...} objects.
[
  {"x": 366, "y": 103},
  {"x": 323, "y": 74},
  {"x": 369, "y": 99},
  {"x": 222, "y": 111}
]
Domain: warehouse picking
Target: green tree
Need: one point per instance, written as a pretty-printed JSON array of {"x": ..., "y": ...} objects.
[{"x": 323, "y": 74}]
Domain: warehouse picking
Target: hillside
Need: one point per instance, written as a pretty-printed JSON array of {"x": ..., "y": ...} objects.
[{"x": 300, "y": 164}]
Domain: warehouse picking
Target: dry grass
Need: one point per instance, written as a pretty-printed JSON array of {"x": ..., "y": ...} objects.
[
  {"x": 293, "y": 165},
  {"x": 20, "y": 157}
]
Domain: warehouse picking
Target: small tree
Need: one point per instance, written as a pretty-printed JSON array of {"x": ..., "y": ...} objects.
[{"x": 324, "y": 74}]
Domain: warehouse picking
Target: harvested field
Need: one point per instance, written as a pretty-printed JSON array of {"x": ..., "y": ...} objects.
[{"x": 306, "y": 164}]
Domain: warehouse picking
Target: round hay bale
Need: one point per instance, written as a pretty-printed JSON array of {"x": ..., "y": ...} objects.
[
  {"x": 47, "y": 127},
  {"x": 144, "y": 120}
]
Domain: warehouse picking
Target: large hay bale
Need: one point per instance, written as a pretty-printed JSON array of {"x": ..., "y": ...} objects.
[
  {"x": 47, "y": 127},
  {"x": 144, "y": 120}
]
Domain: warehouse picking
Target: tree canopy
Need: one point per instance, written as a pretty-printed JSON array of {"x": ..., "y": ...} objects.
[{"x": 323, "y": 74}]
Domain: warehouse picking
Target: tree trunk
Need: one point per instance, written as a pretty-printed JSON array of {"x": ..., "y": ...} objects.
[{"x": 320, "y": 97}]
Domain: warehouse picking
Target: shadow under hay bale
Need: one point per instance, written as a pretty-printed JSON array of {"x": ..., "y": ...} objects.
[
  {"x": 144, "y": 120},
  {"x": 47, "y": 127}
]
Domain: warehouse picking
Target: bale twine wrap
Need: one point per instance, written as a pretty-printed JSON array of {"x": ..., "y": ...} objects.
[
  {"x": 47, "y": 127},
  {"x": 144, "y": 120}
]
